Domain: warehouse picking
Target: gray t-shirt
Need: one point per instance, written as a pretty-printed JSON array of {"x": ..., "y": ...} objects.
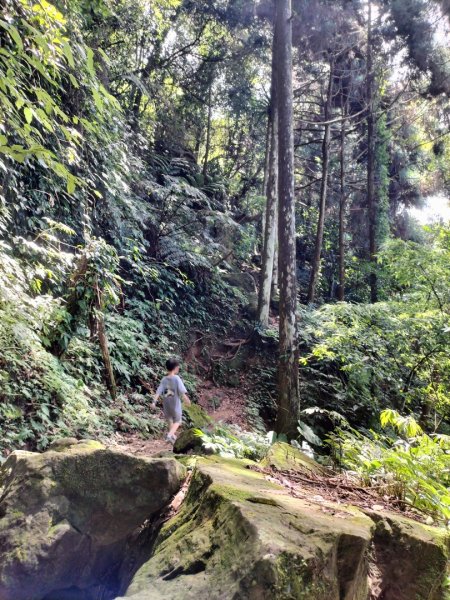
[
  {"x": 171, "y": 389},
  {"x": 171, "y": 385}
]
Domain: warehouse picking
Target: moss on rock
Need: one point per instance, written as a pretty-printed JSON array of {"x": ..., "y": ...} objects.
[
  {"x": 409, "y": 558},
  {"x": 284, "y": 457},
  {"x": 239, "y": 536},
  {"x": 195, "y": 417},
  {"x": 188, "y": 441}
]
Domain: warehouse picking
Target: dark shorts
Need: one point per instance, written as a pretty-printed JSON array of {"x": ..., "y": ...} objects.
[{"x": 172, "y": 409}]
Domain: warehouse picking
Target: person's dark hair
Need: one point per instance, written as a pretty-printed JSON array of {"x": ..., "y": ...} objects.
[{"x": 172, "y": 364}]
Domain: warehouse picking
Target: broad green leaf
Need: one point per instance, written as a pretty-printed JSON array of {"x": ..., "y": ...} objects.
[
  {"x": 28, "y": 114},
  {"x": 90, "y": 61},
  {"x": 14, "y": 33},
  {"x": 68, "y": 54},
  {"x": 71, "y": 183}
]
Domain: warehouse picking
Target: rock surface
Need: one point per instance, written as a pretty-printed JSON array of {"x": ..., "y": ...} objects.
[
  {"x": 75, "y": 524},
  {"x": 239, "y": 536},
  {"x": 195, "y": 417},
  {"x": 66, "y": 516},
  {"x": 188, "y": 442},
  {"x": 284, "y": 457}
]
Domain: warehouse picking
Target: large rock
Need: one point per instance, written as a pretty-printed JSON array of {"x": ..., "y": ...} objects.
[
  {"x": 284, "y": 457},
  {"x": 196, "y": 418},
  {"x": 188, "y": 442},
  {"x": 242, "y": 280},
  {"x": 240, "y": 537},
  {"x": 66, "y": 516}
]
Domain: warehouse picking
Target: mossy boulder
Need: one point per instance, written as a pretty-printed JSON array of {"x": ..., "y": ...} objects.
[
  {"x": 240, "y": 279},
  {"x": 284, "y": 457},
  {"x": 188, "y": 442},
  {"x": 239, "y": 536},
  {"x": 66, "y": 516},
  {"x": 196, "y": 418}
]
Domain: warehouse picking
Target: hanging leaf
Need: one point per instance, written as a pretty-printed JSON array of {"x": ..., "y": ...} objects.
[
  {"x": 90, "y": 61},
  {"x": 68, "y": 54},
  {"x": 28, "y": 114},
  {"x": 71, "y": 183},
  {"x": 14, "y": 33},
  {"x": 309, "y": 435}
]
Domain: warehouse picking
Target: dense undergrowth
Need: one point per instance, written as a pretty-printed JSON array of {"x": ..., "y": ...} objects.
[{"x": 101, "y": 238}]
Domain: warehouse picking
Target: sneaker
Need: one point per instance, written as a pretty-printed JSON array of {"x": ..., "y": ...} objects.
[{"x": 170, "y": 438}]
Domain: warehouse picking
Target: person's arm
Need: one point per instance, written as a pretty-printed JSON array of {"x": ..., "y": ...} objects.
[
  {"x": 185, "y": 399},
  {"x": 183, "y": 392},
  {"x": 158, "y": 393}
]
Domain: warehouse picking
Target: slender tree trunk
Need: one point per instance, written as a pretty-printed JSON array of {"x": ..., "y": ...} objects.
[
  {"x": 270, "y": 228},
  {"x": 371, "y": 200},
  {"x": 274, "y": 292},
  {"x": 315, "y": 271},
  {"x": 266, "y": 176},
  {"x": 342, "y": 201},
  {"x": 208, "y": 129},
  {"x": 288, "y": 396},
  {"x": 198, "y": 141},
  {"x": 103, "y": 342}
]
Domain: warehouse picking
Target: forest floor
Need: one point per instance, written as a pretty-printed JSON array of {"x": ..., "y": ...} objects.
[{"x": 224, "y": 404}]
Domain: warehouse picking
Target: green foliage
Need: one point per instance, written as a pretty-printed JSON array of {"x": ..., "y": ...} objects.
[
  {"x": 38, "y": 66},
  {"x": 39, "y": 399},
  {"x": 358, "y": 358},
  {"x": 406, "y": 463},
  {"x": 232, "y": 442},
  {"x": 419, "y": 273}
]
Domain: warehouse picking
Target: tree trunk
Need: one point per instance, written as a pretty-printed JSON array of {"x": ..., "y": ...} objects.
[
  {"x": 266, "y": 176},
  {"x": 208, "y": 129},
  {"x": 274, "y": 292},
  {"x": 315, "y": 271},
  {"x": 371, "y": 200},
  {"x": 270, "y": 228},
  {"x": 288, "y": 397},
  {"x": 342, "y": 202},
  {"x": 103, "y": 342}
]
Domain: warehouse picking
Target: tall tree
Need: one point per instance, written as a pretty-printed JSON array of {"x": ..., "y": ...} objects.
[
  {"x": 270, "y": 225},
  {"x": 288, "y": 397},
  {"x": 342, "y": 196},
  {"x": 208, "y": 127},
  {"x": 315, "y": 271},
  {"x": 371, "y": 198}
]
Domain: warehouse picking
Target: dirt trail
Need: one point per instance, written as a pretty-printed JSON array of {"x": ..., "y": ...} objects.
[{"x": 223, "y": 404}]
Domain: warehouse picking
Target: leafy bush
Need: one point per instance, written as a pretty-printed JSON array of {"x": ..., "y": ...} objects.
[
  {"x": 233, "y": 442},
  {"x": 360, "y": 357},
  {"x": 405, "y": 463},
  {"x": 357, "y": 358}
]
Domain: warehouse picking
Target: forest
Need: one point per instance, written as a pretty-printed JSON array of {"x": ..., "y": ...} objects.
[{"x": 259, "y": 189}]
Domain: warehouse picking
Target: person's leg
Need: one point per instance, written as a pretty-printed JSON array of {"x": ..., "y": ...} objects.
[
  {"x": 176, "y": 421},
  {"x": 169, "y": 422},
  {"x": 174, "y": 428}
]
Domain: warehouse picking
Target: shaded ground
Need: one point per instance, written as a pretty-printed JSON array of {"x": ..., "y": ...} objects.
[{"x": 224, "y": 404}]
